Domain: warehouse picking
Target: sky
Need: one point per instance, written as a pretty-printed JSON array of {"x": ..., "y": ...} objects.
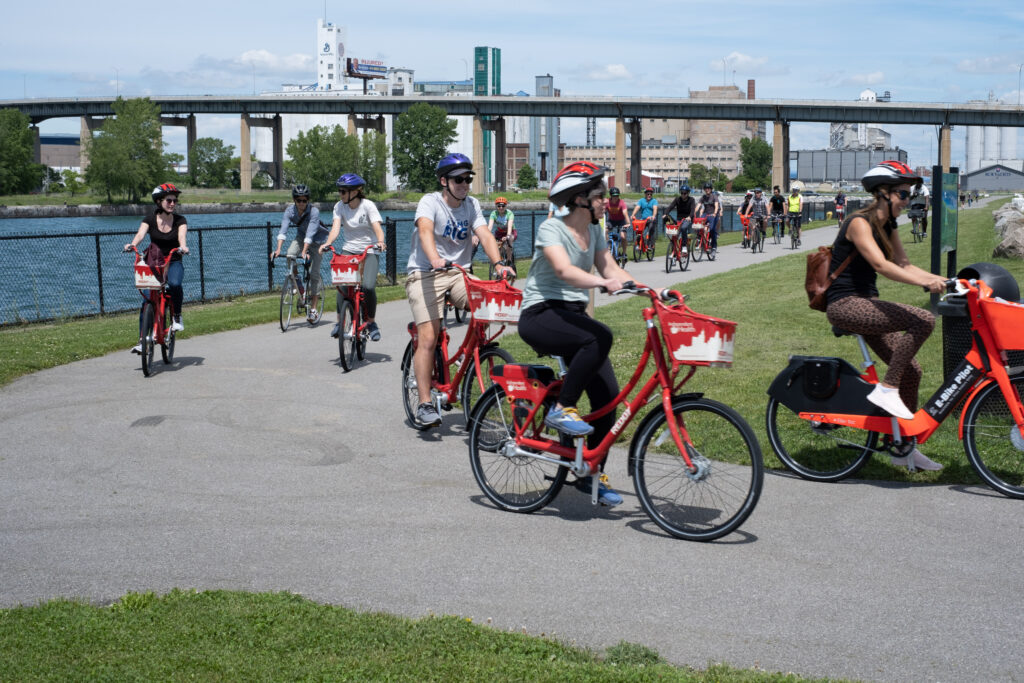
[{"x": 920, "y": 52}]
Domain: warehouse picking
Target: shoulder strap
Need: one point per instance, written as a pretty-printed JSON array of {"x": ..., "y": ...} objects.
[{"x": 842, "y": 266}]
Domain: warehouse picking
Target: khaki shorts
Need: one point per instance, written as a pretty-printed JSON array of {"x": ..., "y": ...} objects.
[{"x": 425, "y": 292}]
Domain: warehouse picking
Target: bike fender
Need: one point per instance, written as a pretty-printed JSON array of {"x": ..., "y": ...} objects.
[
  {"x": 407, "y": 356},
  {"x": 652, "y": 415}
]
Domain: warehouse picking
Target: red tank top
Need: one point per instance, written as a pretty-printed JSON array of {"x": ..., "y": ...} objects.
[{"x": 617, "y": 212}]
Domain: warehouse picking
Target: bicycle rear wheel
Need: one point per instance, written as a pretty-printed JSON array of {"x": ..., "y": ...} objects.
[
  {"x": 167, "y": 348},
  {"x": 718, "y": 498},
  {"x": 471, "y": 392},
  {"x": 148, "y": 335},
  {"x": 287, "y": 302},
  {"x": 410, "y": 391},
  {"x": 517, "y": 483},
  {"x": 815, "y": 451},
  {"x": 994, "y": 447},
  {"x": 348, "y": 337}
]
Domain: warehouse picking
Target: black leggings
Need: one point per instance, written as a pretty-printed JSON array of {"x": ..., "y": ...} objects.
[
  {"x": 894, "y": 331},
  {"x": 562, "y": 328}
]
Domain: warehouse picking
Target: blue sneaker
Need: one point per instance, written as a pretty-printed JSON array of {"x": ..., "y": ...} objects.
[
  {"x": 567, "y": 421},
  {"x": 374, "y": 331},
  {"x": 605, "y": 495}
]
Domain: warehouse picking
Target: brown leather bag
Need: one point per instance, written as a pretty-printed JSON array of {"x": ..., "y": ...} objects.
[{"x": 818, "y": 279}]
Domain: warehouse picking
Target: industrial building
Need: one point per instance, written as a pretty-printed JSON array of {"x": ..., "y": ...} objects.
[{"x": 995, "y": 178}]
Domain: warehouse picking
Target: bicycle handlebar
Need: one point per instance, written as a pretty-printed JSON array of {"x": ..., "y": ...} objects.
[{"x": 138, "y": 255}]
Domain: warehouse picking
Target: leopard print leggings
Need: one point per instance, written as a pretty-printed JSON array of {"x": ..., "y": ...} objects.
[{"x": 894, "y": 331}]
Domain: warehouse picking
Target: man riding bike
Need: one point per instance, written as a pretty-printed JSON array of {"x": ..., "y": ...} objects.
[
  {"x": 684, "y": 205},
  {"x": 502, "y": 224},
  {"x": 616, "y": 217},
  {"x": 648, "y": 209},
  {"x": 708, "y": 205},
  {"x": 757, "y": 212},
  {"x": 444, "y": 222},
  {"x": 305, "y": 218},
  {"x": 796, "y": 208},
  {"x": 777, "y": 207}
]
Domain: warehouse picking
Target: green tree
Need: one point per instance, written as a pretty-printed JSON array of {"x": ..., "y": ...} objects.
[
  {"x": 126, "y": 157},
  {"x": 422, "y": 136},
  {"x": 318, "y": 156},
  {"x": 527, "y": 178},
  {"x": 72, "y": 181},
  {"x": 756, "y": 159},
  {"x": 18, "y": 173},
  {"x": 373, "y": 161},
  {"x": 209, "y": 162},
  {"x": 700, "y": 174}
]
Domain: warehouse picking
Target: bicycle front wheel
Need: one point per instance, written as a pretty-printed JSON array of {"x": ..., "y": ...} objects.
[
  {"x": 696, "y": 248},
  {"x": 148, "y": 336},
  {"x": 348, "y": 337},
  {"x": 815, "y": 451},
  {"x": 517, "y": 483},
  {"x": 287, "y": 302},
  {"x": 668, "y": 258},
  {"x": 319, "y": 299},
  {"x": 636, "y": 254},
  {"x": 471, "y": 392},
  {"x": 994, "y": 447},
  {"x": 167, "y": 348},
  {"x": 717, "y": 498}
]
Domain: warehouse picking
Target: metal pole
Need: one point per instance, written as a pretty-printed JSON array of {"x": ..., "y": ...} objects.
[
  {"x": 270, "y": 264},
  {"x": 202, "y": 269},
  {"x": 99, "y": 271},
  {"x": 391, "y": 256}
]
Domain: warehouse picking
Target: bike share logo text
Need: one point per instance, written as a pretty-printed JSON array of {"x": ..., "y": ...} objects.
[{"x": 953, "y": 391}]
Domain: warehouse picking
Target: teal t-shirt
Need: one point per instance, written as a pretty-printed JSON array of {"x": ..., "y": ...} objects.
[{"x": 542, "y": 284}]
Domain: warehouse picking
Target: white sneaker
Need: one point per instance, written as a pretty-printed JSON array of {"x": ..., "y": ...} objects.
[
  {"x": 177, "y": 325},
  {"x": 889, "y": 401},
  {"x": 137, "y": 349},
  {"x": 920, "y": 460}
]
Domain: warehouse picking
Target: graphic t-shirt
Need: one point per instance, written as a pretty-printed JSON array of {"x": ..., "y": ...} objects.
[{"x": 453, "y": 230}]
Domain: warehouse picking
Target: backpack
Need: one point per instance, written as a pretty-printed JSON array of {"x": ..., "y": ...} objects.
[{"x": 818, "y": 279}]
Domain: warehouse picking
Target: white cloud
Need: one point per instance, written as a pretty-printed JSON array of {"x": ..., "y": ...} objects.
[
  {"x": 987, "y": 65},
  {"x": 603, "y": 72}
]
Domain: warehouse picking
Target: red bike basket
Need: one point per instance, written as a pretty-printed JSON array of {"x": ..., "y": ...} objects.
[
  {"x": 695, "y": 339},
  {"x": 145, "y": 278},
  {"x": 346, "y": 269},
  {"x": 1006, "y": 321},
  {"x": 494, "y": 301}
]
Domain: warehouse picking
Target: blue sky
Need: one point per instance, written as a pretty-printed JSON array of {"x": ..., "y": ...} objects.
[{"x": 924, "y": 51}]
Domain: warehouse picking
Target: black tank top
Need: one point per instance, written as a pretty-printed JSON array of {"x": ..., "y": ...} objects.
[
  {"x": 859, "y": 278},
  {"x": 165, "y": 240}
]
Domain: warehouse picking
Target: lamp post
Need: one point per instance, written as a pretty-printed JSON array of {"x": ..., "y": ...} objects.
[
  {"x": 253, "y": 65},
  {"x": 117, "y": 82},
  {"x": 1019, "y": 67},
  {"x": 723, "y": 70}
]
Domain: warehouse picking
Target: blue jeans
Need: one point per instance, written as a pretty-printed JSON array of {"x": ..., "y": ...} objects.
[
  {"x": 175, "y": 275},
  {"x": 713, "y": 227}
]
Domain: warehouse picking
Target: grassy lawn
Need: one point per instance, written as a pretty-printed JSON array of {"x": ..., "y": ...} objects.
[{"x": 224, "y": 635}]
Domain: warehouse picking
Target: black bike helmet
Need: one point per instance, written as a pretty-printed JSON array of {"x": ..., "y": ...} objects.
[
  {"x": 300, "y": 191},
  {"x": 708, "y": 185},
  {"x": 614, "y": 192}
]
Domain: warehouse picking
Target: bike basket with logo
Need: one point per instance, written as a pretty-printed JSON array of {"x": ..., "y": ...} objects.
[
  {"x": 1006, "y": 320},
  {"x": 671, "y": 229},
  {"x": 144, "y": 277},
  {"x": 346, "y": 269},
  {"x": 695, "y": 339},
  {"x": 494, "y": 301}
]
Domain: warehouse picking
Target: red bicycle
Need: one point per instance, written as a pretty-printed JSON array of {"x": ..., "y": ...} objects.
[
  {"x": 823, "y": 428},
  {"x": 353, "y": 332},
  {"x": 695, "y": 463},
  {"x": 464, "y": 376},
  {"x": 156, "y": 311},
  {"x": 641, "y": 244},
  {"x": 678, "y": 251},
  {"x": 700, "y": 239}
]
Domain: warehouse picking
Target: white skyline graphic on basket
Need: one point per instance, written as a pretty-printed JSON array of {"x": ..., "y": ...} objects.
[
  {"x": 346, "y": 270},
  {"x": 503, "y": 307},
  {"x": 699, "y": 340}
]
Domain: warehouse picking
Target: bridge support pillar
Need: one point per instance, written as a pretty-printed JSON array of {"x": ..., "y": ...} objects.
[
  {"x": 497, "y": 125},
  {"x": 245, "y": 158},
  {"x": 635, "y": 143},
  {"x": 37, "y": 153},
  {"x": 478, "y": 155},
  {"x": 620, "y": 153},
  {"x": 89, "y": 124},
  {"x": 945, "y": 147},
  {"x": 189, "y": 124},
  {"x": 780, "y": 155}
]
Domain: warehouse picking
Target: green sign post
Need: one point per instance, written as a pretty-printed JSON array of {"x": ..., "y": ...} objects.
[{"x": 945, "y": 205}]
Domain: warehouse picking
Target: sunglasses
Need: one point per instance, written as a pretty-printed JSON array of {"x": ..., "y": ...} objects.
[
  {"x": 902, "y": 194},
  {"x": 500, "y": 206},
  {"x": 302, "y": 201},
  {"x": 171, "y": 199},
  {"x": 462, "y": 179}
]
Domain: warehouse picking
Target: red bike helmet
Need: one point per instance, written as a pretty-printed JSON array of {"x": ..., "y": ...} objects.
[
  {"x": 576, "y": 178},
  {"x": 162, "y": 191},
  {"x": 889, "y": 173}
]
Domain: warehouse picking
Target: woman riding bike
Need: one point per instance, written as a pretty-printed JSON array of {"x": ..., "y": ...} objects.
[
  {"x": 166, "y": 231},
  {"x": 502, "y": 225},
  {"x": 362, "y": 229},
  {"x": 305, "y": 218},
  {"x": 894, "y": 331},
  {"x": 554, "y": 319}
]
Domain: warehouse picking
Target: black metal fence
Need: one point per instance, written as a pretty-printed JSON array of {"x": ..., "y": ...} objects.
[{"x": 55, "y": 276}]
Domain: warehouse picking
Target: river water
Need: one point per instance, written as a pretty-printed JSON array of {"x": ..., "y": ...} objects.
[{"x": 65, "y": 267}]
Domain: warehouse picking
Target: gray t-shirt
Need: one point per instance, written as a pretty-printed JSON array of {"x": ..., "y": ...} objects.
[
  {"x": 453, "y": 231},
  {"x": 542, "y": 284}
]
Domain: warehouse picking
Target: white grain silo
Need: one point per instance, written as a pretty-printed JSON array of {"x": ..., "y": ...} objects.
[
  {"x": 991, "y": 149},
  {"x": 975, "y": 145},
  {"x": 1007, "y": 143}
]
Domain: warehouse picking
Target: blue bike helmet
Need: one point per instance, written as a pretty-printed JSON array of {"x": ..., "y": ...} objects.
[
  {"x": 349, "y": 181},
  {"x": 684, "y": 188},
  {"x": 452, "y": 162}
]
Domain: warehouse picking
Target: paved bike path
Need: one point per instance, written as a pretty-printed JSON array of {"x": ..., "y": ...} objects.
[{"x": 254, "y": 463}]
